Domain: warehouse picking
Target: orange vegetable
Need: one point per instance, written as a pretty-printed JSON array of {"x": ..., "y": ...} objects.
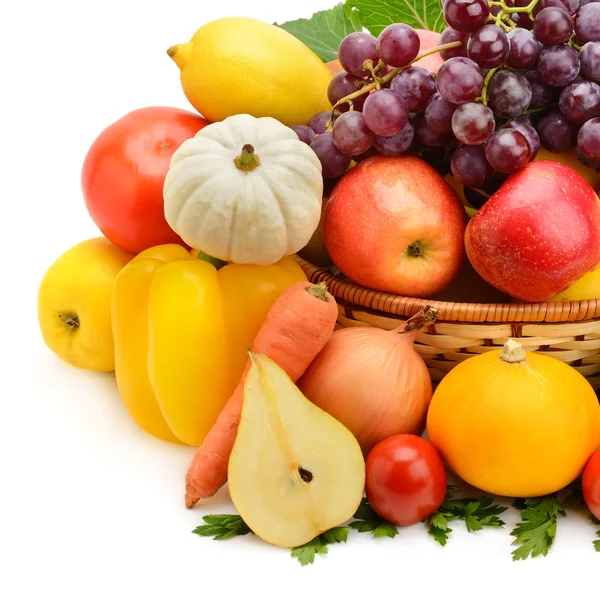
[{"x": 297, "y": 327}]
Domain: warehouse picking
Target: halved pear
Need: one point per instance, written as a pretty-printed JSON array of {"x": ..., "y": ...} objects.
[{"x": 294, "y": 471}]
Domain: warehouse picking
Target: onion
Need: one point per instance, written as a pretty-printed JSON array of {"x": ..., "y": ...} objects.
[{"x": 373, "y": 381}]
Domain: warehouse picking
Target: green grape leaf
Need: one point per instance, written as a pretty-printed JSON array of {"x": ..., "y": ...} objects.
[
  {"x": 376, "y": 15},
  {"x": 324, "y": 31}
]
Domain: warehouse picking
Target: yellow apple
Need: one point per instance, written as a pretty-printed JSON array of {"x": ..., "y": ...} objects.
[
  {"x": 74, "y": 304},
  {"x": 585, "y": 288}
]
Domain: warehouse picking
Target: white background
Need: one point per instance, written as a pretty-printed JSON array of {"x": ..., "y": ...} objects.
[{"x": 91, "y": 507}]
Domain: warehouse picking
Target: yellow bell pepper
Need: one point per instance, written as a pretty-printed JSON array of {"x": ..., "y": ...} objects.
[{"x": 182, "y": 328}]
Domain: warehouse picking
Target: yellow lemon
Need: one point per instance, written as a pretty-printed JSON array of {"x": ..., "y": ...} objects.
[
  {"x": 240, "y": 65},
  {"x": 74, "y": 304},
  {"x": 586, "y": 287}
]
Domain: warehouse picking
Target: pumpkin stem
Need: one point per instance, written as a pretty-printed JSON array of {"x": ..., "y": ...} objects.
[
  {"x": 247, "y": 160},
  {"x": 513, "y": 352},
  {"x": 217, "y": 263}
]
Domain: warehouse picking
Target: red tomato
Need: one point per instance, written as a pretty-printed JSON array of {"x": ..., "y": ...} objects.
[
  {"x": 590, "y": 484},
  {"x": 124, "y": 172},
  {"x": 406, "y": 479}
]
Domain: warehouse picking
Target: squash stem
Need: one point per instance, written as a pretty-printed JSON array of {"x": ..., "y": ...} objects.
[
  {"x": 247, "y": 161},
  {"x": 513, "y": 352}
]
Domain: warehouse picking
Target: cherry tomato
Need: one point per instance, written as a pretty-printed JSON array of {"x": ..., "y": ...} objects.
[
  {"x": 590, "y": 484},
  {"x": 406, "y": 479},
  {"x": 124, "y": 172}
]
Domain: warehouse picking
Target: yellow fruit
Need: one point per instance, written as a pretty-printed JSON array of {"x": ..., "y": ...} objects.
[
  {"x": 240, "y": 65},
  {"x": 570, "y": 159},
  {"x": 515, "y": 423},
  {"x": 585, "y": 288},
  {"x": 74, "y": 302}
]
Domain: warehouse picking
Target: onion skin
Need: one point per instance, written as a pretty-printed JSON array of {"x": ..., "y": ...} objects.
[{"x": 373, "y": 381}]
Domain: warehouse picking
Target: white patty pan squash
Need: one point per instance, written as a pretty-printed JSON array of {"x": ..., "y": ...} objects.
[{"x": 244, "y": 190}]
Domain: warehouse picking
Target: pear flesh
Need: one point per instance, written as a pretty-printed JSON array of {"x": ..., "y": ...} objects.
[{"x": 294, "y": 471}]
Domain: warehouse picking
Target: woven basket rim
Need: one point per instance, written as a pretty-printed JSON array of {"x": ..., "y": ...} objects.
[{"x": 462, "y": 312}]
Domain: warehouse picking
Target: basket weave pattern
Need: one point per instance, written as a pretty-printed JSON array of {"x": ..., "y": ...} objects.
[{"x": 568, "y": 331}]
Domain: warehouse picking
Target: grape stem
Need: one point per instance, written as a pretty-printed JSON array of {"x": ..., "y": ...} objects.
[
  {"x": 483, "y": 98},
  {"x": 379, "y": 81},
  {"x": 502, "y": 19}
]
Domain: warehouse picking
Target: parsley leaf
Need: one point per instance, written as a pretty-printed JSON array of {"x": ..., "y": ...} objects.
[
  {"x": 307, "y": 552},
  {"x": 376, "y": 15},
  {"x": 324, "y": 31},
  {"x": 477, "y": 513},
  {"x": 536, "y": 532},
  {"x": 595, "y": 521},
  {"x": 222, "y": 527},
  {"x": 369, "y": 520}
]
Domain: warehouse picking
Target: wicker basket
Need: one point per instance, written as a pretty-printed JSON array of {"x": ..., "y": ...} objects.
[{"x": 569, "y": 331}]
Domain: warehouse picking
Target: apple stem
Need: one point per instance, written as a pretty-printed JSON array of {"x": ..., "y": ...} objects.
[
  {"x": 319, "y": 291},
  {"x": 513, "y": 352},
  {"x": 71, "y": 321}
]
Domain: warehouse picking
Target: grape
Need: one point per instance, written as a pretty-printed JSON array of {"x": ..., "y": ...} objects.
[
  {"x": 473, "y": 123},
  {"x": 590, "y": 61},
  {"x": 398, "y": 45},
  {"x": 319, "y": 122},
  {"x": 587, "y": 23},
  {"x": 541, "y": 94},
  {"x": 351, "y": 134},
  {"x": 385, "y": 112},
  {"x": 427, "y": 136},
  {"x": 556, "y": 133},
  {"x": 584, "y": 160},
  {"x": 416, "y": 85},
  {"x": 588, "y": 139},
  {"x": 523, "y": 20},
  {"x": 553, "y": 26},
  {"x": 466, "y": 15},
  {"x": 507, "y": 150},
  {"x": 470, "y": 166},
  {"x": 355, "y": 49},
  {"x": 524, "y": 49},
  {"x": 558, "y": 65},
  {"x": 304, "y": 133},
  {"x": 580, "y": 101},
  {"x": 571, "y": 6},
  {"x": 395, "y": 144},
  {"x": 584, "y": 2},
  {"x": 334, "y": 163},
  {"x": 509, "y": 93},
  {"x": 460, "y": 80},
  {"x": 342, "y": 85},
  {"x": 488, "y": 47},
  {"x": 438, "y": 114},
  {"x": 528, "y": 130},
  {"x": 451, "y": 35}
]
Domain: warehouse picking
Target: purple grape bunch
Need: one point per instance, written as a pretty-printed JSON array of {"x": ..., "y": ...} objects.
[{"x": 513, "y": 79}]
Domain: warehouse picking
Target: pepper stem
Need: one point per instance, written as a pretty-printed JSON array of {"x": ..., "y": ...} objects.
[
  {"x": 513, "y": 352},
  {"x": 247, "y": 161}
]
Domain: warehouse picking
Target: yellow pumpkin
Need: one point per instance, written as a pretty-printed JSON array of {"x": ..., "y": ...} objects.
[{"x": 513, "y": 423}]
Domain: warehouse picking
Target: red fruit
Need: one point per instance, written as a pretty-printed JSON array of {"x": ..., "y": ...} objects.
[
  {"x": 590, "y": 484},
  {"x": 405, "y": 479},
  {"x": 393, "y": 224},
  {"x": 124, "y": 172},
  {"x": 538, "y": 233}
]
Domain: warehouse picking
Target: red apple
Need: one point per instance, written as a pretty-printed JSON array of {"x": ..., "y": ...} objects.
[
  {"x": 393, "y": 224},
  {"x": 538, "y": 233},
  {"x": 429, "y": 40}
]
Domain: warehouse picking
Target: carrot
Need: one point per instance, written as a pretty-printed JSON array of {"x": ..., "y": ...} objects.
[{"x": 296, "y": 328}]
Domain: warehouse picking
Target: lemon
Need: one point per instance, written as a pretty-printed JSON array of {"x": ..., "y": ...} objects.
[{"x": 241, "y": 65}]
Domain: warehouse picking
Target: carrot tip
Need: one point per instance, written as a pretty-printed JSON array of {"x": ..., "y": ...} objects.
[{"x": 190, "y": 500}]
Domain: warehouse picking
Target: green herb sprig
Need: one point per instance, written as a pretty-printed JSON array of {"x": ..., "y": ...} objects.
[{"x": 367, "y": 520}]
